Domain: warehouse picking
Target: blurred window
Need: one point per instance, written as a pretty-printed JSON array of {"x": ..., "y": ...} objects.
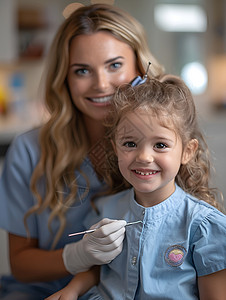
[{"x": 183, "y": 17}]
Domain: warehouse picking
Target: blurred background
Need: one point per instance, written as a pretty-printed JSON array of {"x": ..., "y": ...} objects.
[{"x": 188, "y": 37}]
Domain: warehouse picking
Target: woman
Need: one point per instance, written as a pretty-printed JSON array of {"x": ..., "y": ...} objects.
[{"x": 51, "y": 173}]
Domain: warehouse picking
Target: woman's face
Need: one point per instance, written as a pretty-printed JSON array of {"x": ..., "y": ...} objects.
[{"x": 98, "y": 63}]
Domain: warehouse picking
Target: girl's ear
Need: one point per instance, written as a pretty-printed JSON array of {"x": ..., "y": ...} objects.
[{"x": 189, "y": 151}]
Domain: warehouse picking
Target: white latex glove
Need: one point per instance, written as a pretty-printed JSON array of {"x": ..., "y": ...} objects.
[{"x": 97, "y": 248}]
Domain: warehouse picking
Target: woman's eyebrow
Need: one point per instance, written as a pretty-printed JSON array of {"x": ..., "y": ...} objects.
[
  {"x": 82, "y": 65},
  {"x": 113, "y": 59},
  {"x": 79, "y": 65}
]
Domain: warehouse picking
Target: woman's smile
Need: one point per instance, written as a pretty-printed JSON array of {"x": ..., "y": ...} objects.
[{"x": 106, "y": 100}]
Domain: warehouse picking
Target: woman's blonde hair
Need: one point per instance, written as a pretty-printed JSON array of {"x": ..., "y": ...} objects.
[
  {"x": 63, "y": 139},
  {"x": 170, "y": 100}
]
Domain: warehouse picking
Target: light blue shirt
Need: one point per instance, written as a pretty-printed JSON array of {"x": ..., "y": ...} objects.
[
  {"x": 180, "y": 239},
  {"x": 16, "y": 198}
]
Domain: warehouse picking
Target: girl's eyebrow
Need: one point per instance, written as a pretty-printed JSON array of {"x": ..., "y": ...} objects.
[
  {"x": 81, "y": 65},
  {"x": 125, "y": 137},
  {"x": 164, "y": 139},
  {"x": 161, "y": 137}
]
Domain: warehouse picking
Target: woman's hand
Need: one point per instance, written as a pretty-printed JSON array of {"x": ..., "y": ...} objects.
[{"x": 97, "y": 248}]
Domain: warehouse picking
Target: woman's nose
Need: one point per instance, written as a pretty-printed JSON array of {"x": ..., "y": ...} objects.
[
  {"x": 145, "y": 155},
  {"x": 101, "y": 81}
]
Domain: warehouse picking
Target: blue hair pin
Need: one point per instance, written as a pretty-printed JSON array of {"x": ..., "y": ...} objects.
[{"x": 140, "y": 80}]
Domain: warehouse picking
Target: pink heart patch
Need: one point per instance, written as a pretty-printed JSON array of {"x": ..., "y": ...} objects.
[{"x": 175, "y": 257}]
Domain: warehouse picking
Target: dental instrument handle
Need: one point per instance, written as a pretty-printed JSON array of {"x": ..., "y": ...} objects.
[{"x": 92, "y": 230}]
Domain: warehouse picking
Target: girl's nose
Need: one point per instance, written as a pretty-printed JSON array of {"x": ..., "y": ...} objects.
[
  {"x": 101, "y": 82},
  {"x": 145, "y": 156}
]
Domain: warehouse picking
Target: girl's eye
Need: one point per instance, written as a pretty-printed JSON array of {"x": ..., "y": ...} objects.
[
  {"x": 160, "y": 146},
  {"x": 129, "y": 144},
  {"x": 115, "y": 65}
]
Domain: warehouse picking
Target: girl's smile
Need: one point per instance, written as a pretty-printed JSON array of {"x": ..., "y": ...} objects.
[{"x": 144, "y": 174}]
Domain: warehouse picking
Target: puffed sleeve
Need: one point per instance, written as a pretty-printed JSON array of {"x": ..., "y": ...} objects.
[
  {"x": 15, "y": 194},
  {"x": 209, "y": 244}
]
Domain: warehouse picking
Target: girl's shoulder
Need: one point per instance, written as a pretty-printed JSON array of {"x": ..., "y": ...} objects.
[
  {"x": 202, "y": 208},
  {"x": 207, "y": 238},
  {"x": 201, "y": 216},
  {"x": 204, "y": 218}
]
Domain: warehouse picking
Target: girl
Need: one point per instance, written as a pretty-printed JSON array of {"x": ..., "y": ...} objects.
[
  {"x": 177, "y": 250},
  {"x": 51, "y": 173}
]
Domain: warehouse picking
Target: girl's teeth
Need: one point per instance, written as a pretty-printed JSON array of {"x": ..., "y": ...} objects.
[{"x": 145, "y": 174}]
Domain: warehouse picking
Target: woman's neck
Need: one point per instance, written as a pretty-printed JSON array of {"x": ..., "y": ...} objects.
[
  {"x": 95, "y": 130},
  {"x": 97, "y": 152}
]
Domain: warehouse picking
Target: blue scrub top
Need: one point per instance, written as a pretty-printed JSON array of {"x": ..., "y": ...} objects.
[
  {"x": 180, "y": 239},
  {"x": 16, "y": 198}
]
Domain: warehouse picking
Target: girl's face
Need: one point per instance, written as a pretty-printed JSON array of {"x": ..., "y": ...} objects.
[
  {"x": 98, "y": 63},
  {"x": 149, "y": 156}
]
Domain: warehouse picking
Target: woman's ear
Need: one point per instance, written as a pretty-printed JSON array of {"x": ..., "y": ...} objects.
[{"x": 189, "y": 151}]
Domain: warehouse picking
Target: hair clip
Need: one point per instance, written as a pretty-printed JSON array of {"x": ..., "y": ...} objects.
[
  {"x": 70, "y": 8},
  {"x": 139, "y": 80}
]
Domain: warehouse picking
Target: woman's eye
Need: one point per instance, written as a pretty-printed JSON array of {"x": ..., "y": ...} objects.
[
  {"x": 129, "y": 144},
  {"x": 115, "y": 65},
  {"x": 81, "y": 72},
  {"x": 160, "y": 146}
]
